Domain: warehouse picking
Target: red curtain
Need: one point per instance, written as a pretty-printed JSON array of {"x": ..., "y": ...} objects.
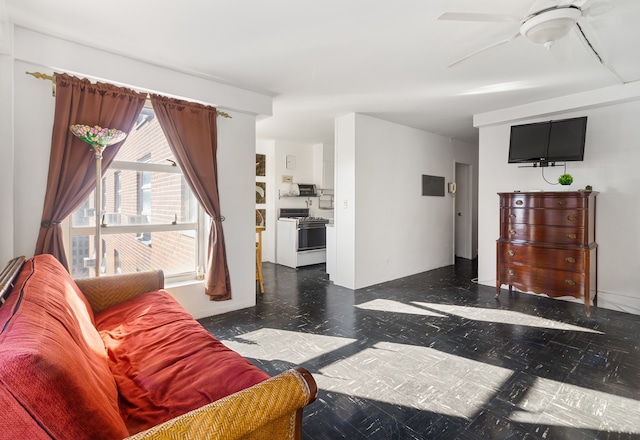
[
  {"x": 72, "y": 174},
  {"x": 191, "y": 131}
]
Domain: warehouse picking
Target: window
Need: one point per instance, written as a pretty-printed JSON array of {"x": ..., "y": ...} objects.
[
  {"x": 117, "y": 186},
  {"x": 104, "y": 196},
  {"x": 151, "y": 219},
  {"x": 143, "y": 203},
  {"x": 144, "y": 188},
  {"x": 117, "y": 268}
]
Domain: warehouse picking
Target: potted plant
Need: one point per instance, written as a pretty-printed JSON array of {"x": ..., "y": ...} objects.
[{"x": 565, "y": 179}]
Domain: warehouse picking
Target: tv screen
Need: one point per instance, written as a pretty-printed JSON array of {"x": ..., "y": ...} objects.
[
  {"x": 553, "y": 141},
  {"x": 529, "y": 142},
  {"x": 566, "y": 141}
]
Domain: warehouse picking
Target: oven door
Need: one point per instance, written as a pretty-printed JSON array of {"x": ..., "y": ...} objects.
[{"x": 311, "y": 237}]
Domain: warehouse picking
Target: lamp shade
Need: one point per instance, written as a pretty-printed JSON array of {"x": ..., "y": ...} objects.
[
  {"x": 97, "y": 136},
  {"x": 551, "y": 25}
]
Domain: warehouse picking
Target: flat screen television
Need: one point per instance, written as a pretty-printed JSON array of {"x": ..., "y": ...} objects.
[{"x": 546, "y": 142}]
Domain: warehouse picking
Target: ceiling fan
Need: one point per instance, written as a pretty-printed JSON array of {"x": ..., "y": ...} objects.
[{"x": 546, "y": 22}]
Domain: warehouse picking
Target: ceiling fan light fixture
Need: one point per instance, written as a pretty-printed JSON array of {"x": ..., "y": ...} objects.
[{"x": 551, "y": 25}]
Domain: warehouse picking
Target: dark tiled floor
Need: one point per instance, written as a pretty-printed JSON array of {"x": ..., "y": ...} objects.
[{"x": 434, "y": 356}]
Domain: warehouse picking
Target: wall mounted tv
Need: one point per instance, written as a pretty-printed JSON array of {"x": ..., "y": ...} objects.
[{"x": 548, "y": 142}]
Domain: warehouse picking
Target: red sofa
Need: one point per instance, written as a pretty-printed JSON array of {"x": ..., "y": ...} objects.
[{"x": 112, "y": 357}]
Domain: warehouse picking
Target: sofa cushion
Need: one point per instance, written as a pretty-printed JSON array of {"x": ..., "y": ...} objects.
[
  {"x": 52, "y": 360},
  {"x": 165, "y": 362}
]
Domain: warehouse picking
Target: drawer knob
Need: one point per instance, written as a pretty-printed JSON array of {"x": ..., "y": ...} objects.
[
  {"x": 570, "y": 282},
  {"x": 570, "y": 260},
  {"x": 519, "y": 202},
  {"x": 572, "y": 217},
  {"x": 510, "y": 253},
  {"x": 572, "y": 236},
  {"x": 512, "y": 216},
  {"x": 512, "y": 232},
  {"x": 562, "y": 202},
  {"x": 511, "y": 272}
]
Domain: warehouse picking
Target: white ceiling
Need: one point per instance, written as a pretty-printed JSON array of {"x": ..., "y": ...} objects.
[{"x": 323, "y": 59}]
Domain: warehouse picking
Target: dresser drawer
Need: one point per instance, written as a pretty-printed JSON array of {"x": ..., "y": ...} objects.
[
  {"x": 542, "y": 200},
  {"x": 558, "y": 217},
  {"x": 570, "y": 260},
  {"x": 518, "y": 201},
  {"x": 543, "y": 234},
  {"x": 563, "y": 202},
  {"x": 551, "y": 282}
]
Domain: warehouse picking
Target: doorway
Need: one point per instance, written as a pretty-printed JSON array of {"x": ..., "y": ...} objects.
[{"x": 463, "y": 214}]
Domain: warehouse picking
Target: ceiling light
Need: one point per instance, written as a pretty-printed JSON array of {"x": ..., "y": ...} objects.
[{"x": 549, "y": 26}]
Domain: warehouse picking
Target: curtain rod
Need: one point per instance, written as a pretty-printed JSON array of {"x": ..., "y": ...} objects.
[{"x": 52, "y": 78}]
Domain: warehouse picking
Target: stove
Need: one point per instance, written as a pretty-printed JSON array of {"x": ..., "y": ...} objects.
[{"x": 301, "y": 238}]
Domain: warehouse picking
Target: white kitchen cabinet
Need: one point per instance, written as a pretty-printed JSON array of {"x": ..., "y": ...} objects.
[{"x": 323, "y": 166}]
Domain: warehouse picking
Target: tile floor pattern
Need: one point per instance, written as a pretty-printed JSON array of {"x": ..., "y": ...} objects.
[{"x": 435, "y": 356}]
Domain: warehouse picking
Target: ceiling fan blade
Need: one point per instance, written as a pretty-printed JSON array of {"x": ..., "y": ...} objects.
[
  {"x": 477, "y": 16},
  {"x": 580, "y": 4},
  {"x": 499, "y": 43},
  {"x": 541, "y": 5}
]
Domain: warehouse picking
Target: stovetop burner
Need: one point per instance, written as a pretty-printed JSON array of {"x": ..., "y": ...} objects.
[{"x": 313, "y": 219}]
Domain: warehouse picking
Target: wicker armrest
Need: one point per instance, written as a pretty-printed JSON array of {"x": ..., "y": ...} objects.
[
  {"x": 268, "y": 410},
  {"x": 103, "y": 292}
]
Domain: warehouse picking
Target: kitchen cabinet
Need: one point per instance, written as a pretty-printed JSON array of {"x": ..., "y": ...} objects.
[
  {"x": 547, "y": 244},
  {"x": 323, "y": 166}
]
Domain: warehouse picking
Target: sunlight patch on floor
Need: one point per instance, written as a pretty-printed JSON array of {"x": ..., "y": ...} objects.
[
  {"x": 578, "y": 407},
  {"x": 502, "y": 316},
  {"x": 415, "y": 377},
  {"x": 272, "y": 344}
]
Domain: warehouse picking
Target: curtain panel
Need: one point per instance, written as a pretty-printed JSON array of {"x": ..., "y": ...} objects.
[
  {"x": 191, "y": 131},
  {"x": 72, "y": 174}
]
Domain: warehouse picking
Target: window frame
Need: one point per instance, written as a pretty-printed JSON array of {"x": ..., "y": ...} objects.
[{"x": 199, "y": 227}]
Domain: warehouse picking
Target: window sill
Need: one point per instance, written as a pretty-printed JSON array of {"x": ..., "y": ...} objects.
[{"x": 182, "y": 283}]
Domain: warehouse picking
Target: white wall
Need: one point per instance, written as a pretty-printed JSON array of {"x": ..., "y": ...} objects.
[
  {"x": 33, "y": 116},
  {"x": 612, "y": 155},
  {"x": 6, "y": 152},
  {"x": 385, "y": 228}
]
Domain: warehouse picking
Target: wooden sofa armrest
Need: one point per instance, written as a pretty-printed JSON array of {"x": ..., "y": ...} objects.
[
  {"x": 106, "y": 291},
  {"x": 269, "y": 410}
]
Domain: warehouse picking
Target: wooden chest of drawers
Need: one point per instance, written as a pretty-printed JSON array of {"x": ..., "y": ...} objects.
[{"x": 548, "y": 244}]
